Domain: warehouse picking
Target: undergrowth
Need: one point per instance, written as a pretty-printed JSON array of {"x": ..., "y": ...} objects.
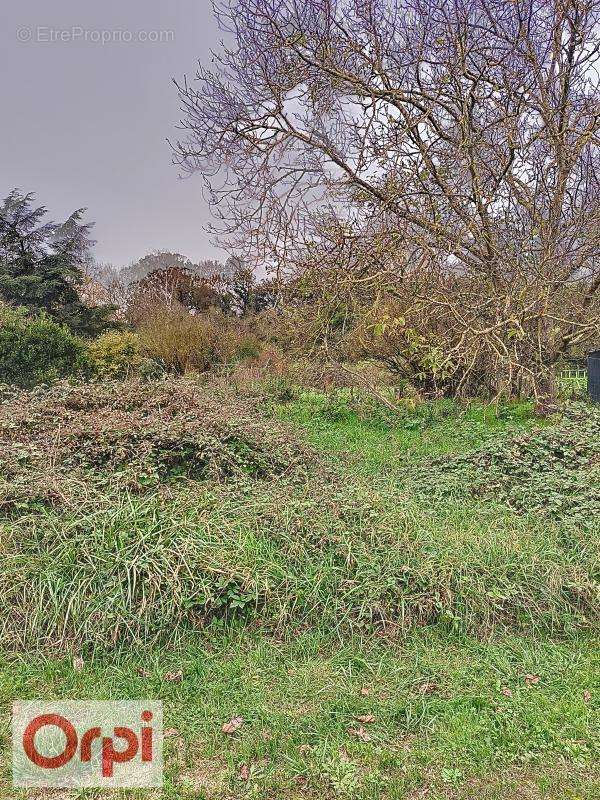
[
  {"x": 123, "y": 567},
  {"x": 59, "y": 444},
  {"x": 552, "y": 471},
  {"x": 111, "y": 536},
  {"x": 332, "y": 580}
]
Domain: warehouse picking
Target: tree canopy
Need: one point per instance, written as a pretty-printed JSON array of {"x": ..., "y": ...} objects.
[
  {"x": 451, "y": 146},
  {"x": 41, "y": 264}
]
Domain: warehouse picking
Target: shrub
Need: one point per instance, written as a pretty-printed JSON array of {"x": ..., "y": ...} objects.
[
  {"x": 184, "y": 342},
  {"x": 177, "y": 339},
  {"x": 36, "y": 349},
  {"x": 248, "y": 346},
  {"x": 116, "y": 354}
]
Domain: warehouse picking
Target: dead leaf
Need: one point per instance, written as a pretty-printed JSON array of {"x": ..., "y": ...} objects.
[
  {"x": 78, "y": 663},
  {"x": 170, "y": 732},
  {"x": 365, "y": 691},
  {"x": 360, "y": 733},
  {"x": 428, "y": 687},
  {"x": 304, "y": 748},
  {"x": 244, "y": 773},
  {"x": 366, "y": 719},
  {"x": 232, "y": 726},
  {"x": 531, "y": 680},
  {"x": 345, "y": 755},
  {"x": 143, "y": 673},
  {"x": 587, "y": 696},
  {"x": 507, "y": 692},
  {"x": 174, "y": 677}
]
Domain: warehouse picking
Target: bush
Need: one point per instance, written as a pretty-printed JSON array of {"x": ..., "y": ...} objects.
[
  {"x": 183, "y": 342},
  {"x": 248, "y": 346},
  {"x": 36, "y": 349},
  {"x": 177, "y": 339},
  {"x": 116, "y": 354}
]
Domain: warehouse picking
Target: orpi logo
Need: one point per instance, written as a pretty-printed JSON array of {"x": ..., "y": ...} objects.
[{"x": 80, "y": 743}]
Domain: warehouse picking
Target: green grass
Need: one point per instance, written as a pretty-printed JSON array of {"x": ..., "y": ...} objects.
[
  {"x": 443, "y": 719},
  {"x": 308, "y": 599},
  {"x": 374, "y": 439}
]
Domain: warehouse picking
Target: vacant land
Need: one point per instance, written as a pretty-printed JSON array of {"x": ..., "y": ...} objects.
[{"x": 383, "y": 605}]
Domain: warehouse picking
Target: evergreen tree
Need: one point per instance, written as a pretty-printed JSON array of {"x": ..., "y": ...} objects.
[{"x": 41, "y": 264}]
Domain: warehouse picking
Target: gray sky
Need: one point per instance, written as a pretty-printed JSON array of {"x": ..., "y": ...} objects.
[{"x": 84, "y": 123}]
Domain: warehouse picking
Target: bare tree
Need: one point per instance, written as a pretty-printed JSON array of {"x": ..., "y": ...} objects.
[
  {"x": 465, "y": 129},
  {"x": 105, "y": 283}
]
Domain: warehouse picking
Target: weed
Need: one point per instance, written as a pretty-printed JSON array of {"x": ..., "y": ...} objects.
[
  {"x": 554, "y": 471},
  {"x": 325, "y": 587}
]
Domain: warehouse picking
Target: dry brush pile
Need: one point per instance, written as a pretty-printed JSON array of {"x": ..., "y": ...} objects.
[{"x": 59, "y": 442}]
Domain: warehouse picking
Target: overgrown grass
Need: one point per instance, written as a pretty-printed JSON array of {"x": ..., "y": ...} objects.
[
  {"x": 125, "y": 567},
  {"x": 323, "y": 588}
]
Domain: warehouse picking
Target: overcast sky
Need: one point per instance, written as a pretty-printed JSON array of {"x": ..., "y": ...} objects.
[{"x": 84, "y": 123}]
